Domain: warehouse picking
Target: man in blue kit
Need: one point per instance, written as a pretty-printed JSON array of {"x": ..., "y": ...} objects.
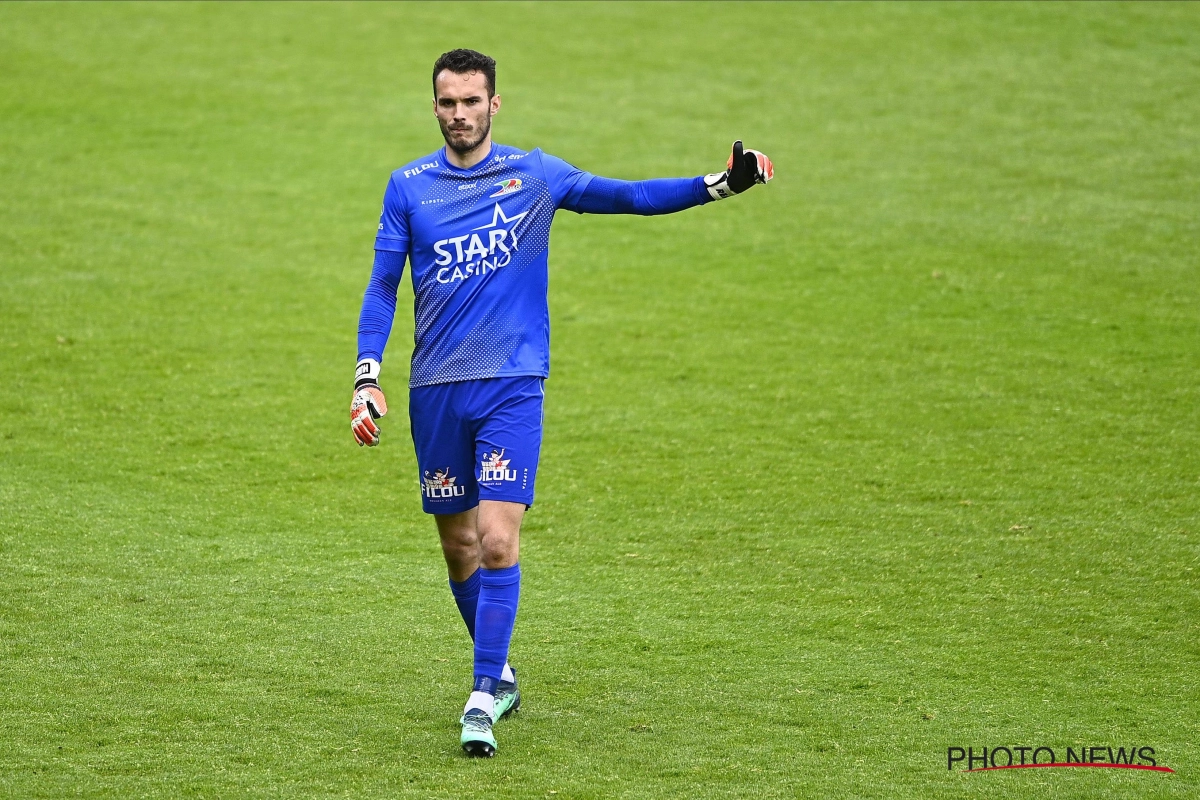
[{"x": 474, "y": 220}]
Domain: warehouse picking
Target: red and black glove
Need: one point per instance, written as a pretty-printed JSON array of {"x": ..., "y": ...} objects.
[
  {"x": 744, "y": 169},
  {"x": 368, "y": 403}
]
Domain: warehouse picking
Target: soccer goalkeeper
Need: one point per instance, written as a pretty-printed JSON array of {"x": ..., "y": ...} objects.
[{"x": 474, "y": 220}]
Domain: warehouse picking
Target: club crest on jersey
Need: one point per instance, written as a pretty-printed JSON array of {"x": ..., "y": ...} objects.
[
  {"x": 441, "y": 485},
  {"x": 507, "y": 187},
  {"x": 494, "y": 469}
]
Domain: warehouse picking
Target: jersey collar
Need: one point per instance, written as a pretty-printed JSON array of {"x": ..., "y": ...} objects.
[{"x": 477, "y": 167}]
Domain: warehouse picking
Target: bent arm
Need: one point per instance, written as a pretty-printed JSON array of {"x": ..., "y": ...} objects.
[
  {"x": 648, "y": 198},
  {"x": 379, "y": 304}
]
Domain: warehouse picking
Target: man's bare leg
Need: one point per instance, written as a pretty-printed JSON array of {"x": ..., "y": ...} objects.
[
  {"x": 460, "y": 543},
  {"x": 481, "y": 547},
  {"x": 487, "y": 536}
]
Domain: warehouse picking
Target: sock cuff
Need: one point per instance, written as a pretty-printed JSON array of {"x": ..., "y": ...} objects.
[
  {"x": 468, "y": 587},
  {"x": 500, "y": 577}
]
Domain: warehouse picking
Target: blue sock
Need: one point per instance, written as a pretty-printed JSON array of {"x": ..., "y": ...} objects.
[
  {"x": 494, "y": 618},
  {"x": 466, "y": 596}
]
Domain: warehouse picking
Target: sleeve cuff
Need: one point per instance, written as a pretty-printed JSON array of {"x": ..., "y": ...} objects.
[{"x": 391, "y": 244}]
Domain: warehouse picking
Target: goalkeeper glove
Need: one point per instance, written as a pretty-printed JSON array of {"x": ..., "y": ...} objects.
[
  {"x": 745, "y": 168},
  {"x": 368, "y": 404}
]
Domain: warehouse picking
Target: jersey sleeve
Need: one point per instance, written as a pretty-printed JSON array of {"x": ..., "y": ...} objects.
[
  {"x": 379, "y": 304},
  {"x": 393, "y": 222},
  {"x": 379, "y": 301},
  {"x": 648, "y": 198},
  {"x": 567, "y": 183}
]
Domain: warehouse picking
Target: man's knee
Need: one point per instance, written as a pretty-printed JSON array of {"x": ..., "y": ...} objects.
[
  {"x": 499, "y": 534},
  {"x": 458, "y": 532},
  {"x": 459, "y": 538},
  {"x": 461, "y": 556},
  {"x": 498, "y": 549}
]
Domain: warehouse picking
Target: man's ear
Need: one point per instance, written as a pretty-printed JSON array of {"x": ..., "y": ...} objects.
[{"x": 495, "y": 104}]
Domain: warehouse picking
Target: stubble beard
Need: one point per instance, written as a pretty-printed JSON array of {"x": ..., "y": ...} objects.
[{"x": 462, "y": 149}]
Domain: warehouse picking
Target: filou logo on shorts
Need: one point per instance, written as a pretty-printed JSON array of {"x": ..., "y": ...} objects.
[
  {"x": 441, "y": 485},
  {"x": 494, "y": 468}
]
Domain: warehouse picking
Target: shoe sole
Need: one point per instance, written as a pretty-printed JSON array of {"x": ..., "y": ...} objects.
[{"x": 478, "y": 749}]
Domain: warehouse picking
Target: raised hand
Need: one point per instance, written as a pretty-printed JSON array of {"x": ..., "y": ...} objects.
[{"x": 744, "y": 169}]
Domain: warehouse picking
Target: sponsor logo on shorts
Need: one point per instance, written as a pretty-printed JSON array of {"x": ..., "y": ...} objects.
[
  {"x": 494, "y": 469},
  {"x": 507, "y": 187},
  {"x": 441, "y": 485}
]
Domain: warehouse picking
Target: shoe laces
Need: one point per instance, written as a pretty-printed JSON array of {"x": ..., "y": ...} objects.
[{"x": 477, "y": 721}]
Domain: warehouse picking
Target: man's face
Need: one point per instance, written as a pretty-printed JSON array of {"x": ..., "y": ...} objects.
[{"x": 463, "y": 109}]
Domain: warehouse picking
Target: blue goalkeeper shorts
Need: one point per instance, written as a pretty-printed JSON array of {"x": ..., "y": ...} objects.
[{"x": 477, "y": 440}]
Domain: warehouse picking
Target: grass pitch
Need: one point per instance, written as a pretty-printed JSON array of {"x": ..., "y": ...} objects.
[{"x": 897, "y": 454}]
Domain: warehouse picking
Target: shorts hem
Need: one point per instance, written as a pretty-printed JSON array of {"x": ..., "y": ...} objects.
[
  {"x": 450, "y": 508},
  {"x": 526, "y": 499}
]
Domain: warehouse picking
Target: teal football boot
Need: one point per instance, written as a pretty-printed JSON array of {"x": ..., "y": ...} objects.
[
  {"x": 508, "y": 697},
  {"x": 477, "y": 740}
]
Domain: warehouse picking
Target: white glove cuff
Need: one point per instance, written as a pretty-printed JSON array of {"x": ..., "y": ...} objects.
[
  {"x": 717, "y": 185},
  {"x": 366, "y": 373}
]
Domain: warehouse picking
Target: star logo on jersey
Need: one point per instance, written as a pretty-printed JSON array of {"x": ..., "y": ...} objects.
[
  {"x": 499, "y": 216},
  {"x": 494, "y": 468},
  {"x": 507, "y": 187},
  {"x": 441, "y": 485},
  {"x": 469, "y": 255}
]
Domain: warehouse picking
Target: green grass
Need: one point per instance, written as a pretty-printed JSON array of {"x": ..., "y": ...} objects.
[{"x": 899, "y": 453}]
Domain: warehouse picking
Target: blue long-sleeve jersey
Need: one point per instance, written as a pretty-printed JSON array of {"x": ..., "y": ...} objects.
[{"x": 479, "y": 242}]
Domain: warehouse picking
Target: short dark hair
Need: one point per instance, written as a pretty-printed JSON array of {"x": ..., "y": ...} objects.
[{"x": 462, "y": 61}]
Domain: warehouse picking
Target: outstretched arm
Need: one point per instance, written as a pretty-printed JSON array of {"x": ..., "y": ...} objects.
[
  {"x": 669, "y": 195},
  {"x": 658, "y": 196}
]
